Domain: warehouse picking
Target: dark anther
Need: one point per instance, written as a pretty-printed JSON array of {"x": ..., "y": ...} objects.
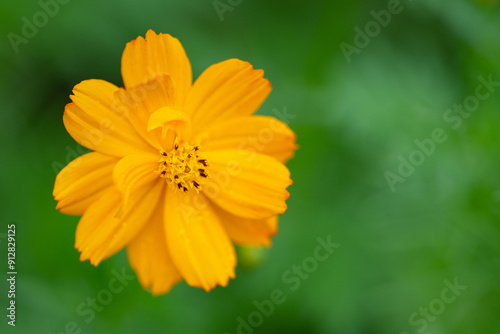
[
  {"x": 179, "y": 185},
  {"x": 164, "y": 154},
  {"x": 185, "y": 190},
  {"x": 196, "y": 185}
]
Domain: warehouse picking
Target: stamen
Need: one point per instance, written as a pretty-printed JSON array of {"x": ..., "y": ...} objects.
[{"x": 182, "y": 167}]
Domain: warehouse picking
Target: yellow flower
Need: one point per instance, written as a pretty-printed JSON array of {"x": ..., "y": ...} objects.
[{"x": 179, "y": 170}]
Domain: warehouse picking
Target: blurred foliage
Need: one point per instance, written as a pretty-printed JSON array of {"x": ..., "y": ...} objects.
[{"x": 353, "y": 121}]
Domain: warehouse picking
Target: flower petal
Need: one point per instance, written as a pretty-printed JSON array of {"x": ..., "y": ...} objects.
[
  {"x": 132, "y": 172},
  {"x": 248, "y": 232},
  {"x": 251, "y": 186},
  {"x": 170, "y": 119},
  {"x": 150, "y": 258},
  {"x": 259, "y": 134},
  {"x": 101, "y": 232},
  {"x": 144, "y": 59},
  {"x": 91, "y": 121},
  {"x": 231, "y": 88},
  {"x": 138, "y": 103},
  {"x": 82, "y": 181},
  {"x": 97, "y": 224},
  {"x": 198, "y": 244}
]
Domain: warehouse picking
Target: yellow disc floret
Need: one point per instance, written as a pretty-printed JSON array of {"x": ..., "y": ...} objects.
[{"x": 183, "y": 168}]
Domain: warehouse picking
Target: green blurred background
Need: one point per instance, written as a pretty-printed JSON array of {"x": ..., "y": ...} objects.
[{"x": 354, "y": 121}]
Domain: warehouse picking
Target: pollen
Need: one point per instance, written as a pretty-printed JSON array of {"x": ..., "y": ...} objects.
[{"x": 183, "y": 168}]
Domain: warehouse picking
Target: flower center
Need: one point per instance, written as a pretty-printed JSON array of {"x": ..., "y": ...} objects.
[{"x": 182, "y": 167}]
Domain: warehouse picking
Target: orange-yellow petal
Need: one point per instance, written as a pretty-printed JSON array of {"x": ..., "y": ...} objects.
[
  {"x": 102, "y": 232},
  {"x": 98, "y": 217},
  {"x": 229, "y": 89},
  {"x": 92, "y": 122},
  {"x": 167, "y": 119},
  {"x": 145, "y": 59},
  {"x": 198, "y": 244},
  {"x": 247, "y": 186},
  {"x": 150, "y": 258},
  {"x": 253, "y": 134},
  {"x": 82, "y": 181},
  {"x": 138, "y": 103},
  {"x": 248, "y": 232},
  {"x": 132, "y": 172}
]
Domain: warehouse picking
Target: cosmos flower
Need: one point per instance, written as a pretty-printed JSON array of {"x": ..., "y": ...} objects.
[{"x": 178, "y": 171}]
